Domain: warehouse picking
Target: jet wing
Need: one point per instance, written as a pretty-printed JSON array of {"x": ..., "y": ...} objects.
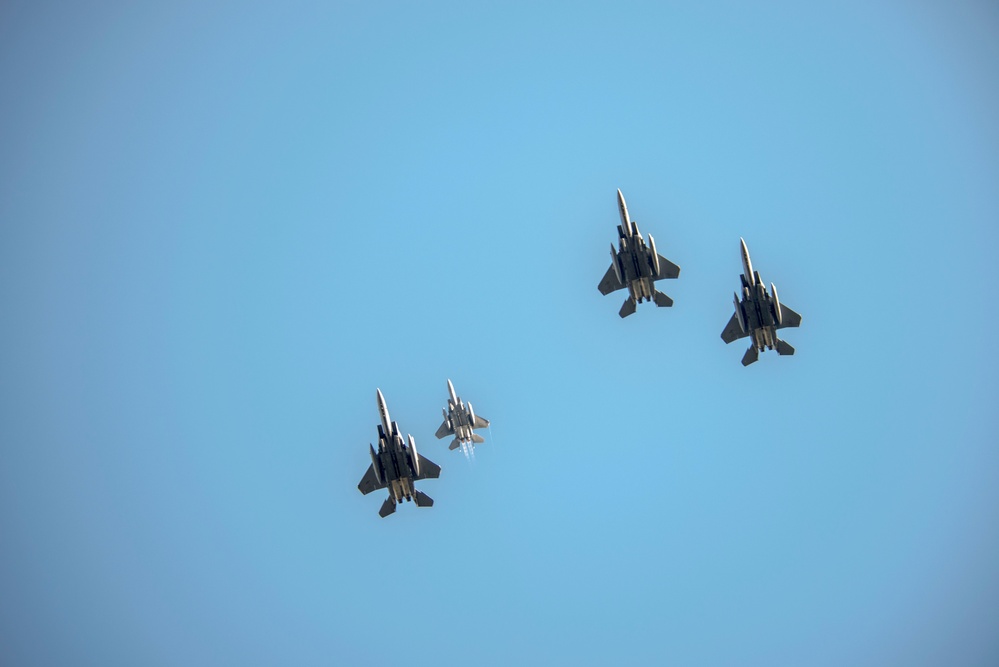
[
  {"x": 610, "y": 283},
  {"x": 788, "y": 317},
  {"x": 428, "y": 469},
  {"x": 369, "y": 482},
  {"x": 667, "y": 269},
  {"x": 444, "y": 431},
  {"x": 733, "y": 331},
  {"x": 480, "y": 422}
]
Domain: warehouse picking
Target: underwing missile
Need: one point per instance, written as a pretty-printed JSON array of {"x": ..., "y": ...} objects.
[
  {"x": 738, "y": 313},
  {"x": 375, "y": 463},
  {"x": 777, "y": 315},
  {"x": 416, "y": 457}
]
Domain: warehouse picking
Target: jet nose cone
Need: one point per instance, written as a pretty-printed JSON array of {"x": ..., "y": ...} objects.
[
  {"x": 381, "y": 399},
  {"x": 623, "y": 210},
  {"x": 747, "y": 264}
]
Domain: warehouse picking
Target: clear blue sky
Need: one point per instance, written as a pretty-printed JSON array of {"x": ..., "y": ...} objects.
[{"x": 223, "y": 225}]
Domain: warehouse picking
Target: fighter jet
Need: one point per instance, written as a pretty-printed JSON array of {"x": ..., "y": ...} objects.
[
  {"x": 636, "y": 266},
  {"x": 759, "y": 315},
  {"x": 459, "y": 421},
  {"x": 396, "y": 466}
]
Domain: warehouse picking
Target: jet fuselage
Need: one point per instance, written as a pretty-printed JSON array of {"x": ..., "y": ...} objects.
[
  {"x": 395, "y": 461},
  {"x": 758, "y": 311},
  {"x": 633, "y": 257}
]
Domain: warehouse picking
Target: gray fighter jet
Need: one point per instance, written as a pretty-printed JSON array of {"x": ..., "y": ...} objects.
[
  {"x": 396, "y": 466},
  {"x": 459, "y": 421},
  {"x": 759, "y": 315},
  {"x": 636, "y": 266}
]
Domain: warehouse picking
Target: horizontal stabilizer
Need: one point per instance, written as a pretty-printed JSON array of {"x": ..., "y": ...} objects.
[
  {"x": 662, "y": 300},
  {"x": 423, "y": 500},
  {"x": 388, "y": 507},
  {"x": 455, "y": 444},
  {"x": 628, "y": 308},
  {"x": 477, "y": 439},
  {"x": 784, "y": 348},
  {"x": 752, "y": 354}
]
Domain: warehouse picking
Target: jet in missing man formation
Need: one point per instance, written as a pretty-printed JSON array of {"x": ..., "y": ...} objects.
[
  {"x": 459, "y": 421},
  {"x": 396, "y": 466},
  {"x": 758, "y": 315},
  {"x": 636, "y": 266}
]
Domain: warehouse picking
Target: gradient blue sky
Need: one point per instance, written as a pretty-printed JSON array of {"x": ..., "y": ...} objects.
[{"x": 223, "y": 225}]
